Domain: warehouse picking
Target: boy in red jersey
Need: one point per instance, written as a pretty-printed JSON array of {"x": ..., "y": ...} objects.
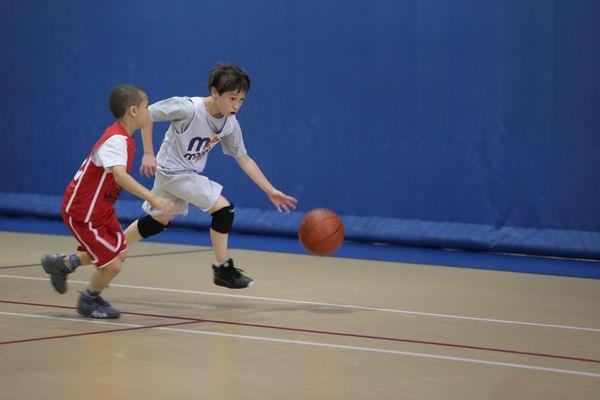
[{"x": 88, "y": 203}]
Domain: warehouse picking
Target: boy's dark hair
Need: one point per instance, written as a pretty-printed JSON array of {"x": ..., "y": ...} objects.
[
  {"x": 228, "y": 78},
  {"x": 124, "y": 96}
]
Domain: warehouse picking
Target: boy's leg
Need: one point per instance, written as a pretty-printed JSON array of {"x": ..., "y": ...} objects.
[
  {"x": 225, "y": 274},
  {"x": 145, "y": 227},
  {"x": 102, "y": 277},
  {"x": 219, "y": 239},
  {"x": 184, "y": 189},
  {"x": 83, "y": 257},
  {"x": 90, "y": 303},
  {"x": 104, "y": 240},
  {"x": 58, "y": 265},
  {"x": 150, "y": 225},
  {"x": 133, "y": 235}
]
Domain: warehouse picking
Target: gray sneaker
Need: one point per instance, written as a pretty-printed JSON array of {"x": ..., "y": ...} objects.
[
  {"x": 54, "y": 264},
  {"x": 96, "y": 307}
]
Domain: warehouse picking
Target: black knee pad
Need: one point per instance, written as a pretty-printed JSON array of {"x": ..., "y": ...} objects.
[
  {"x": 148, "y": 226},
  {"x": 222, "y": 219}
]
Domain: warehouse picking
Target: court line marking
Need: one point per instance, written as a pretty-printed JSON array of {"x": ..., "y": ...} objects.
[
  {"x": 336, "y": 346},
  {"x": 314, "y": 303},
  {"x": 132, "y": 256},
  {"x": 131, "y": 327},
  {"x": 331, "y": 333}
]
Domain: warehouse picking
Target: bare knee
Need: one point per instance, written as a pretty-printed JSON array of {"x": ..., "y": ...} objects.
[
  {"x": 220, "y": 203},
  {"x": 163, "y": 219},
  {"x": 123, "y": 256},
  {"x": 114, "y": 267}
]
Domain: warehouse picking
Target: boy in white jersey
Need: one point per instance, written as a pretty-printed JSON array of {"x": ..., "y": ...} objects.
[{"x": 197, "y": 125}]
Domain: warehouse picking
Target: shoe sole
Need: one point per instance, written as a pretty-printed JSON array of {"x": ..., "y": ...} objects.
[
  {"x": 233, "y": 287},
  {"x": 83, "y": 314},
  {"x": 61, "y": 285},
  {"x": 43, "y": 260}
]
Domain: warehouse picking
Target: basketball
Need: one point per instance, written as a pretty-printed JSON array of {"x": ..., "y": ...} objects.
[{"x": 321, "y": 231}]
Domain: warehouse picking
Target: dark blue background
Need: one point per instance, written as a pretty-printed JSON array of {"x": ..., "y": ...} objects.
[{"x": 437, "y": 112}]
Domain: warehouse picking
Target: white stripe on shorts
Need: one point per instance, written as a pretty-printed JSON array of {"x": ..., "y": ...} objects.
[
  {"x": 94, "y": 259},
  {"x": 104, "y": 242}
]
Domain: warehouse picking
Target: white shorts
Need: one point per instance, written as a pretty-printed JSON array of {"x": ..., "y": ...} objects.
[{"x": 183, "y": 189}]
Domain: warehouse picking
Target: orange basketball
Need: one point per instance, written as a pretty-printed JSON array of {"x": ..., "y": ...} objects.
[{"x": 321, "y": 231}]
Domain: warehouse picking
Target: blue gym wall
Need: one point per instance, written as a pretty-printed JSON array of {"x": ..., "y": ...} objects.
[{"x": 468, "y": 123}]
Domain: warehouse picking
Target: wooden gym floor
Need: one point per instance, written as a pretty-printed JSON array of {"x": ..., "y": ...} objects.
[{"x": 310, "y": 328}]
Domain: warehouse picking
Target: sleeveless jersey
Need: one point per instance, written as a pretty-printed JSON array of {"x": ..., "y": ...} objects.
[
  {"x": 188, "y": 151},
  {"x": 93, "y": 191}
]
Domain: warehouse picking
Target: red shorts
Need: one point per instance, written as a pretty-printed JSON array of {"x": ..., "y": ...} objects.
[{"x": 103, "y": 241}]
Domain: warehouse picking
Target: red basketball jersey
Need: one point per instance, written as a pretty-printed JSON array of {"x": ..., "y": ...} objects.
[{"x": 93, "y": 191}]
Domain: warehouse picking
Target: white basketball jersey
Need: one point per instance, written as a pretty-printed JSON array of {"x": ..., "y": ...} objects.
[{"x": 188, "y": 151}]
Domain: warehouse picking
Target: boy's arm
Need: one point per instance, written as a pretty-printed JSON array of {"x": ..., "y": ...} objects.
[
  {"x": 148, "y": 160},
  {"x": 123, "y": 179},
  {"x": 281, "y": 200},
  {"x": 179, "y": 111}
]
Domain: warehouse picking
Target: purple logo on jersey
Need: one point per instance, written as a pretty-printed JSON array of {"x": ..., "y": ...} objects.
[
  {"x": 200, "y": 142},
  {"x": 203, "y": 146}
]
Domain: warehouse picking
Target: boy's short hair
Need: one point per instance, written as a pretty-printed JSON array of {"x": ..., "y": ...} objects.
[
  {"x": 228, "y": 78},
  {"x": 124, "y": 96}
]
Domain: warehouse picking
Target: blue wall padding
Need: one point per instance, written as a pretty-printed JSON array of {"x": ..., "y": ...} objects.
[
  {"x": 362, "y": 229},
  {"x": 464, "y": 124}
]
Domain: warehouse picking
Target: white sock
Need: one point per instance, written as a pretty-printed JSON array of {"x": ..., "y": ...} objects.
[{"x": 220, "y": 264}]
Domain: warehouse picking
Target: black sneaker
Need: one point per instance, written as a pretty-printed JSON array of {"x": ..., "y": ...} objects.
[
  {"x": 54, "y": 264},
  {"x": 229, "y": 276},
  {"x": 96, "y": 307}
]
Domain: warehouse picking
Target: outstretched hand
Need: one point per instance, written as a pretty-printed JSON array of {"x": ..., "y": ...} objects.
[
  {"x": 282, "y": 201},
  {"x": 148, "y": 167}
]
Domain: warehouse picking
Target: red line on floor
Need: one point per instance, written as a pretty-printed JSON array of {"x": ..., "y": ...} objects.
[
  {"x": 98, "y": 332},
  {"x": 283, "y": 328}
]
